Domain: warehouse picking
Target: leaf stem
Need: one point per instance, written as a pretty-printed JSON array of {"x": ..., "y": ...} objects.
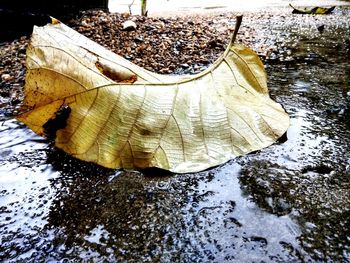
[{"x": 238, "y": 24}]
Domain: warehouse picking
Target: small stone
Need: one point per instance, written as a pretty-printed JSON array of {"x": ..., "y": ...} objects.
[
  {"x": 165, "y": 71},
  {"x": 6, "y": 77},
  {"x": 320, "y": 28},
  {"x": 125, "y": 15},
  {"x": 84, "y": 23},
  {"x": 129, "y": 25},
  {"x": 139, "y": 39}
]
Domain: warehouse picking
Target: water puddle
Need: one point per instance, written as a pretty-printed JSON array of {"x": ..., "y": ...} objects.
[{"x": 55, "y": 207}]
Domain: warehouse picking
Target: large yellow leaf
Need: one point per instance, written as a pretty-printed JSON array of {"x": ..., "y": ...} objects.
[{"x": 124, "y": 116}]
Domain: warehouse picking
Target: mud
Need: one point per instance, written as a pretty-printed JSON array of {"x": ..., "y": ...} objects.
[{"x": 287, "y": 203}]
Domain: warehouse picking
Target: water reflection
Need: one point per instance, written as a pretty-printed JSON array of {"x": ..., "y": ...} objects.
[
  {"x": 67, "y": 209},
  {"x": 187, "y": 217},
  {"x": 24, "y": 191}
]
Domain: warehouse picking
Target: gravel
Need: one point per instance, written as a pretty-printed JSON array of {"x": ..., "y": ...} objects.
[{"x": 173, "y": 45}]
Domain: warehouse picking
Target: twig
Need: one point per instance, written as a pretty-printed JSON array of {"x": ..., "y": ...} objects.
[{"x": 130, "y": 6}]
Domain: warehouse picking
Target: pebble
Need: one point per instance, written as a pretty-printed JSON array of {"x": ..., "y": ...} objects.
[
  {"x": 162, "y": 44},
  {"x": 6, "y": 77},
  {"x": 129, "y": 25}
]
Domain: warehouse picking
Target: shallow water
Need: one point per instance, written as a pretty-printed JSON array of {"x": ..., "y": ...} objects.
[{"x": 287, "y": 203}]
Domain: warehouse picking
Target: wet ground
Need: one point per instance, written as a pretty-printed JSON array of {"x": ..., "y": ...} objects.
[
  {"x": 287, "y": 203},
  {"x": 159, "y": 7}
]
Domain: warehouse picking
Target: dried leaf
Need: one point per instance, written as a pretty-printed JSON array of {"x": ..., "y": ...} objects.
[
  {"x": 121, "y": 115},
  {"x": 315, "y": 10}
]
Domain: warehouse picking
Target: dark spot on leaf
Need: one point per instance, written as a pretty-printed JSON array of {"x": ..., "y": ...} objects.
[
  {"x": 59, "y": 121},
  {"x": 145, "y": 132}
]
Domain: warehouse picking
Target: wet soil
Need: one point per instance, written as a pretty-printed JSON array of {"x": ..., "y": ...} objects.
[{"x": 287, "y": 203}]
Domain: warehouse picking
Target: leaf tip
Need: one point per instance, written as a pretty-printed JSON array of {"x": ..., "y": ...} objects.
[{"x": 54, "y": 21}]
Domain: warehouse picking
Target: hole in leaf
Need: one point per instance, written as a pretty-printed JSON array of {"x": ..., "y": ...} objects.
[{"x": 115, "y": 74}]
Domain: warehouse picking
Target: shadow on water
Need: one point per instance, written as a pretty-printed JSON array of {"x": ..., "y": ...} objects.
[{"x": 288, "y": 202}]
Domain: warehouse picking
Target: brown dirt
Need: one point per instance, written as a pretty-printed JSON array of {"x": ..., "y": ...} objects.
[{"x": 178, "y": 45}]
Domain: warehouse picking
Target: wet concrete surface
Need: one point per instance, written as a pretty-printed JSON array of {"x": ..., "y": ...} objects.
[{"x": 287, "y": 203}]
